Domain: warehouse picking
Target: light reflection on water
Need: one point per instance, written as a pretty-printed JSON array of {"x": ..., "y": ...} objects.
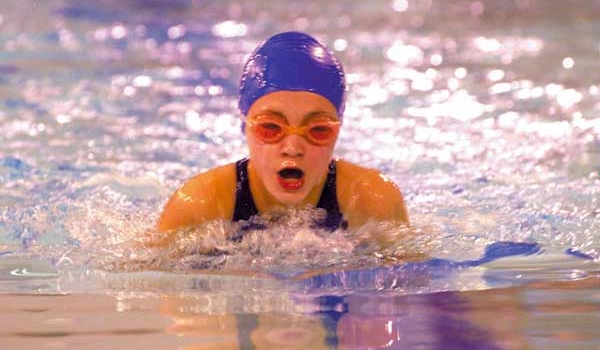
[{"x": 485, "y": 113}]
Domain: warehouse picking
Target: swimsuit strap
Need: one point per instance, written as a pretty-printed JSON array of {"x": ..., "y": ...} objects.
[
  {"x": 244, "y": 204},
  {"x": 245, "y": 208},
  {"x": 329, "y": 202}
]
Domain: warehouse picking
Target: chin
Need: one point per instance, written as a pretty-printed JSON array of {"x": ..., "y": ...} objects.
[{"x": 290, "y": 199}]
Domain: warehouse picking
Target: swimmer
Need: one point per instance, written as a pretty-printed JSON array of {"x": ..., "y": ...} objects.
[{"x": 291, "y": 99}]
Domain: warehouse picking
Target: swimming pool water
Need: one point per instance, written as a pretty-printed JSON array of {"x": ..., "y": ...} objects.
[{"x": 485, "y": 113}]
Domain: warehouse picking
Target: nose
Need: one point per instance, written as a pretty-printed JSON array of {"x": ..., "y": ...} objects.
[{"x": 292, "y": 146}]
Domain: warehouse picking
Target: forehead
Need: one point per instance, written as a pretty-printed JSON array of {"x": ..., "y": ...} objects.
[{"x": 293, "y": 105}]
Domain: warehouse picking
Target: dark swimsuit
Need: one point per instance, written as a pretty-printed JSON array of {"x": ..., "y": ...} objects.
[{"x": 245, "y": 209}]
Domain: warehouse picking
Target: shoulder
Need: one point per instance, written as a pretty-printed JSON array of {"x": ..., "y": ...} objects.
[
  {"x": 366, "y": 193},
  {"x": 355, "y": 171},
  {"x": 354, "y": 177},
  {"x": 207, "y": 196},
  {"x": 212, "y": 180}
]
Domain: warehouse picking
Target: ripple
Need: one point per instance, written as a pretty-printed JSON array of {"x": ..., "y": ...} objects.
[{"x": 110, "y": 108}]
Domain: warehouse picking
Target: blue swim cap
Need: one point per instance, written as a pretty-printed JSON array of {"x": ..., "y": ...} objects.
[{"x": 296, "y": 62}]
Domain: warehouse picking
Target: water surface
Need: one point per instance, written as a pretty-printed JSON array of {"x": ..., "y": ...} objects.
[{"x": 485, "y": 113}]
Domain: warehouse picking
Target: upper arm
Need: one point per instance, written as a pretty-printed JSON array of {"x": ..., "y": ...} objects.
[{"x": 207, "y": 196}]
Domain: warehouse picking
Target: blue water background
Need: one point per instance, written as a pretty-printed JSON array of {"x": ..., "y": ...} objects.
[{"x": 485, "y": 113}]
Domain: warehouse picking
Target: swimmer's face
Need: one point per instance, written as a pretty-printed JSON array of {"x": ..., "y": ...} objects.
[{"x": 292, "y": 169}]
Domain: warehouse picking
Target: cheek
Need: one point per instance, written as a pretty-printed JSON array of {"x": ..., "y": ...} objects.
[
  {"x": 260, "y": 153},
  {"x": 320, "y": 158},
  {"x": 254, "y": 148},
  {"x": 323, "y": 153}
]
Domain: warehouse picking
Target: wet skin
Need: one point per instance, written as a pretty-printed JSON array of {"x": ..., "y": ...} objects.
[
  {"x": 287, "y": 173},
  {"x": 290, "y": 172}
]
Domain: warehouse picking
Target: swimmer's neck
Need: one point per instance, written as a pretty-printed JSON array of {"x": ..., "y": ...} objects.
[{"x": 264, "y": 201}]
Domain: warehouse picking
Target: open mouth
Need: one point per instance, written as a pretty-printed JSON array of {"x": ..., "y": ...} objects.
[
  {"x": 291, "y": 173},
  {"x": 291, "y": 178}
]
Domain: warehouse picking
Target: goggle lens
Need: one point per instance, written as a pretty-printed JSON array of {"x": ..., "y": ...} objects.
[{"x": 272, "y": 130}]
